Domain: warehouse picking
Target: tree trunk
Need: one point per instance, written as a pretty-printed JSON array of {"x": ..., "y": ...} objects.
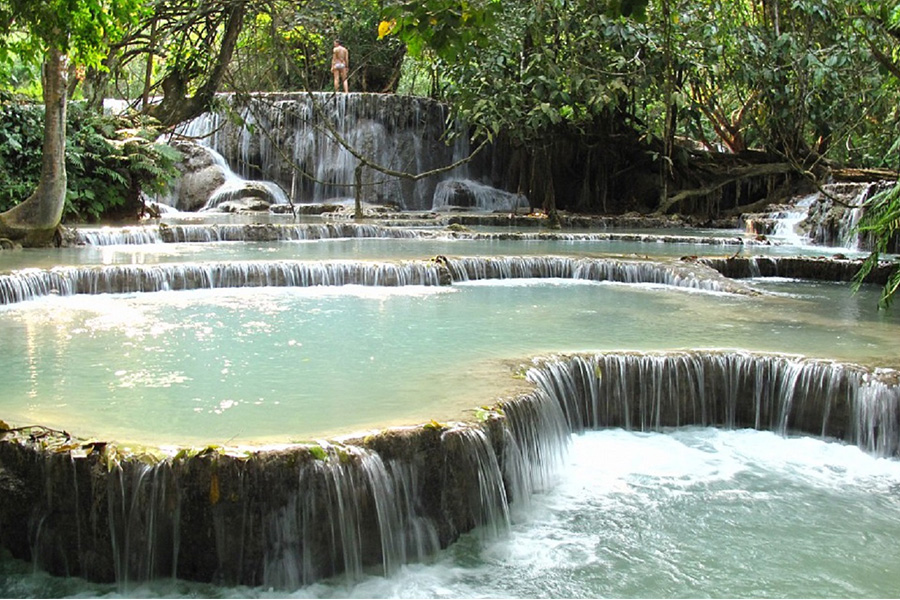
[
  {"x": 34, "y": 221},
  {"x": 176, "y": 106}
]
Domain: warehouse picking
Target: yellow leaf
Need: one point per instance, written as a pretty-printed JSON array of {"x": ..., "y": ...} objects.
[{"x": 386, "y": 28}]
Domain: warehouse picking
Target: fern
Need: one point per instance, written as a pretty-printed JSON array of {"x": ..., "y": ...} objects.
[
  {"x": 881, "y": 219},
  {"x": 109, "y": 160},
  {"x": 890, "y": 288}
]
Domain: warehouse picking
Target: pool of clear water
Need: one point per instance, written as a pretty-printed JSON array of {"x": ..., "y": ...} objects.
[
  {"x": 686, "y": 513},
  {"x": 251, "y": 365}
]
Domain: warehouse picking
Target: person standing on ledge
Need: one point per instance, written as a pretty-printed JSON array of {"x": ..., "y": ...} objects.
[{"x": 340, "y": 66}]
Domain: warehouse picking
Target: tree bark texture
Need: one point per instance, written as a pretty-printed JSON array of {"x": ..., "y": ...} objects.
[
  {"x": 176, "y": 106},
  {"x": 34, "y": 222}
]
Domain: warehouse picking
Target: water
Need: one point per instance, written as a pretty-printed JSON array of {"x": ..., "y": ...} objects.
[
  {"x": 274, "y": 364},
  {"x": 372, "y": 249},
  {"x": 691, "y": 512},
  {"x": 688, "y": 513}
]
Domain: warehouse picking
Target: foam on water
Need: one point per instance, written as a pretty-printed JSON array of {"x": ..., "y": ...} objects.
[
  {"x": 698, "y": 512},
  {"x": 690, "y": 513}
]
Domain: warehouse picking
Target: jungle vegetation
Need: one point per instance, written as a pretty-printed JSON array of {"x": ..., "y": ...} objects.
[{"x": 648, "y": 105}]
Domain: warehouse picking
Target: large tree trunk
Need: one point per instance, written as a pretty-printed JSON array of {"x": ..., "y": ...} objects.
[{"x": 34, "y": 222}]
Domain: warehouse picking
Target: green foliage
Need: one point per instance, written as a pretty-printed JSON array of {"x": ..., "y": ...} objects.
[
  {"x": 374, "y": 64},
  {"x": 881, "y": 219},
  {"x": 21, "y": 127},
  {"x": 80, "y": 28},
  {"x": 109, "y": 161},
  {"x": 451, "y": 29},
  {"x": 795, "y": 77}
]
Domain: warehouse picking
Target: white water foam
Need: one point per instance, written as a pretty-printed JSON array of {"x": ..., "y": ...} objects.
[{"x": 693, "y": 512}]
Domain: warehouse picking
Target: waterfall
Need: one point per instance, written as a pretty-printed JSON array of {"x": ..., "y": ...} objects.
[
  {"x": 271, "y": 232},
  {"x": 452, "y": 194},
  {"x": 876, "y": 427},
  {"x": 28, "y": 284},
  {"x": 649, "y": 392},
  {"x": 481, "y": 498},
  {"x": 833, "y": 222},
  {"x": 236, "y": 187},
  {"x": 678, "y": 274},
  {"x": 285, "y": 138},
  {"x": 797, "y": 267},
  {"x": 369, "y": 516},
  {"x": 788, "y": 221},
  {"x": 143, "y": 522},
  {"x": 285, "y": 518},
  {"x": 826, "y": 218},
  {"x": 110, "y": 236},
  {"x": 268, "y": 232},
  {"x": 536, "y": 441}
]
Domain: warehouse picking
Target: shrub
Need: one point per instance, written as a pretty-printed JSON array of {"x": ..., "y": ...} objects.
[{"x": 110, "y": 160}]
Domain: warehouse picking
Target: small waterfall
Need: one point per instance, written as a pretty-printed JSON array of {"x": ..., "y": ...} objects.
[
  {"x": 113, "y": 236},
  {"x": 639, "y": 238},
  {"x": 286, "y": 518},
  {"x": 237, "y": 188},
  {"x": 680, "y": 274},
  {"x": 208, "y": 182},
  {"x": 268, "y": 232},
  {"x": 796, "y": 267},
  {"x": 482, "y": 499},
  {"x": 536, "y": 438},
  {"x": 143, "y": 522},
  {"x": 876, "y": 426},
  {"x": 361, "y": 509},
  {"x": 454, "y": 194},
  {"x": 283, "y": 518},
  {"x": 833, "y": 223},
  {"x": 272, "y": 232},
  {"x": 28, "y": 284},
  {"x": 787, "y": 222},
  {"x": 825, "y": 218},
  {"x": 648, "y": 392}
]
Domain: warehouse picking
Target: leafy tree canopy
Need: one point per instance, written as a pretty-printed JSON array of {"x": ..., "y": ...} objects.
[{"x": 81, "y": 29}]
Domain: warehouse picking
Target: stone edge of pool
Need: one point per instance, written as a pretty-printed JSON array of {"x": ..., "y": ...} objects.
[{"x": 290, "y": 516}]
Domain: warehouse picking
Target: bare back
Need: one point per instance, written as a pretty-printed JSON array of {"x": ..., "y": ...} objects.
[{"x": 340, "y": 59}]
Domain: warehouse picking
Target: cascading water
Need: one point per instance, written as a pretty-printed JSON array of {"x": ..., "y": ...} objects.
[
  {"x": 648, "y": 392},
  {"x": 787, "y": 223},
  {"x": 379, "y": 505},
  {"x": 292, "y": 139},
  {"x": 287, "y": 518},
  {"x": 29, "y": 284},
  {"x": 144, "y": 521},
  {"x": 174, "y": 232},
  {"x": 109, "y": 236},
  {"x": 826, "y": 218},
  {"x": 455, "y": 194}
]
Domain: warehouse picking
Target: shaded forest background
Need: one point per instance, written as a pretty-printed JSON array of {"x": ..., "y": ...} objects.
[{"x": 696, "y": 106}]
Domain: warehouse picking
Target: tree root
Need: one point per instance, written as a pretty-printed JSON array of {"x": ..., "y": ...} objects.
[{"x": 731, "y": 176}]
